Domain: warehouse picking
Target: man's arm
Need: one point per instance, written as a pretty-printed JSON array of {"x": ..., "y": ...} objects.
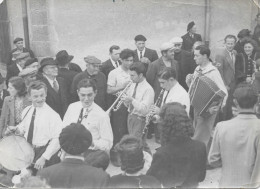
[{"x": 151, "y": 74}]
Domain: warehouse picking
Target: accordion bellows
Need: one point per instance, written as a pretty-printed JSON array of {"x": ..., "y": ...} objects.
[{"x": 206, "y": 94}]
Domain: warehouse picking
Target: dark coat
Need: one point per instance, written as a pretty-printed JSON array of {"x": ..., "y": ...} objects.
[
  {"x": 182, "y": 162},
  {"x": 153, "y": 73},
  {"x": 101, "y": 83},
  {"x": 142, "y": 181},
  {"x": 68, "y": 76},
  {"x": 10, "y": 56},
  {"x": 187, "y": 66},
  {"x": 240, "y": 66},
  {"x": 12, "y": 71},
  {"x": 5, "y": 94},
  {"x": 74, "y": 173},
  {"x": 188, "y": 41},
  {"x": 74, "y": 67},
  {"x": 107, "y": 67},
  {"x": 149, "y": 53},
  {"x": 59, "y": 102}
]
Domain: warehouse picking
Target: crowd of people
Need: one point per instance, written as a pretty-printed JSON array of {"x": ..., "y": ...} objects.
[{"x": 202, "y": 111}]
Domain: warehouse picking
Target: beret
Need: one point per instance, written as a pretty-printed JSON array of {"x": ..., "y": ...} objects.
[
  {"x": 92, "y": 60},
  {"x": 190, "y": 25},
  {"x": 176, "y": 40},
  {"x": 30, "y": 61},
  {"x": 27, "y": 71},
  {"x": 166, "y": 46},
  {"x": 140, "y": 38},
  {"x": 75, "y": 139},
  {"x": 18, "y": 39}
]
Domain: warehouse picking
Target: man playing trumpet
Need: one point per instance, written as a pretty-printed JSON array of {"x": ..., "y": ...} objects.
[{"x": 138, "y": 99}]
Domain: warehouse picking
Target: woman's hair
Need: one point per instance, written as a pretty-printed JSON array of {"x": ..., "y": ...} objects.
[
  {"x": 247, "y": 40},
  {"x": 19, "y": 84},
  {"x": 174, "y": 122}
]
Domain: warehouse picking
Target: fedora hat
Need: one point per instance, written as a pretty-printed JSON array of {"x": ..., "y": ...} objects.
[
  {"x": 62, "y": 57},
  {"x": 45, "y": 62}
]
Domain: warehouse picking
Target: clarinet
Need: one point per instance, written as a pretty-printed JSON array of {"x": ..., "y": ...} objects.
[{"x": 150, "y": 115}]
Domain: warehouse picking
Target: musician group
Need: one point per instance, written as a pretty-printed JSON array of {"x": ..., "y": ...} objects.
[{"x": 202, "y": 112}]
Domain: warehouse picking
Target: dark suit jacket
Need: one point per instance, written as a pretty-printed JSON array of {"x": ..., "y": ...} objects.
[
  {"x": 59, "y": 102},
  {"x": 107, "y": 67},
  {"x": 74, "y": 173},
  {"x": 101, "y": 83},
  {"x": 182, "y": 162},
  {"x": 188, "y": 41},
  {"x": 10, "y": 56},
  {"x": 226, "y": 67},
  {"x": 153, "y": 72},
  {"x": 186, "y": 64},
  {"x": 149, "y": 53},
  {"x": 68, "y": 76},
  {"x": 12, "y": 71},
  {"x": 74, "y": 67},
  {"x": 5, "y": 94},
  {"x": 8, "y": 115}
]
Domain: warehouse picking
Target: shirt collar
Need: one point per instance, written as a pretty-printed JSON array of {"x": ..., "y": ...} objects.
[
  {"x": 50, "y": 80},
  {"x": 74, "y": 157},
  {"x": 19, "y": 67},
  {"x": 113, "y": 62},
  {"x": 143, "y": 51}
]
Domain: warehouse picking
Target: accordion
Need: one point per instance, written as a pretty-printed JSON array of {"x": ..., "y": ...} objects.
[{"x": 205, "y": 94}]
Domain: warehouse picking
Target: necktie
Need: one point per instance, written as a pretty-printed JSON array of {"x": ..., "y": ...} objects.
[
  {"x": 55, "y": 86},
  {"x": 116, "y": 64},
  {"x": 31, "y": 128},
  {"x": 131, "y": 108},
  {"x": 83, "y": 116},
  {"x": 141, "y": 54}
]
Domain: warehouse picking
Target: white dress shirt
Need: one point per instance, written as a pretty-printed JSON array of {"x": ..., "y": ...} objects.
[
  {"x": 177, "y": 94},
  {"x": 212, "y": 72},
  {"x": 139, "y": 53},
  {"x": 144, "y": 98},
  {"x": 97, "y": 122},
  {"x": 118, "y": 77},
  {"x": 47, "y": 127},
  {"x": 51, "y": 81}
]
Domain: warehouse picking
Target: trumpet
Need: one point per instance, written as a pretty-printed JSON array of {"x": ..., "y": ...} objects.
[
  {"x": 118, "y": 102},
  {"x": 150, "y": 115}
]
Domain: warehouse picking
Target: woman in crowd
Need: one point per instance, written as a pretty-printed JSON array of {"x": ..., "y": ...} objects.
[
  {"x": 180, "y": 161},
  {"x": 245, "y": 65},
  {"x": 14, "y": 104}
]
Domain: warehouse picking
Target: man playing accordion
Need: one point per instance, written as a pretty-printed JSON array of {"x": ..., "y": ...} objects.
[{"x": 204, "y": 122}]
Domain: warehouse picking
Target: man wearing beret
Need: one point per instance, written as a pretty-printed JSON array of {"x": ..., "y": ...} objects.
[
  {"x": 18, "y": 42},
  {"x": 57, "y": 93},
  {"x": 166, "y": 60},
  {"x": 190, "y": 37},
  {"x": 73, "y": 172},
  {"x": 143, "y": 54},
  {"x": 18, "y": 66},
  {"x": 92, "y": 72},
  {"x": 185, "y": 61}
]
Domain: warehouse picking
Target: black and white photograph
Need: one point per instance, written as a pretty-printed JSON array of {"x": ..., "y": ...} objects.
[{"x": 129, "y": 93}]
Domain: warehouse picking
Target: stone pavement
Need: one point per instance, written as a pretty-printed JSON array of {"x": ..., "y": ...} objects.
[{"x": 211, "y": 180}]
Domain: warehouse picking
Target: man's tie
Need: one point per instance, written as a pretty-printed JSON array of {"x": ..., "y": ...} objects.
[
  {"x": 31, "y": 128},
  {"x": 141, "y": 55},
  {"x": 134, "y": 94},
  {"x": 81, "y": 116},
  {"x": 116, "y": 64},
  {"x": 55, "y": 86}
]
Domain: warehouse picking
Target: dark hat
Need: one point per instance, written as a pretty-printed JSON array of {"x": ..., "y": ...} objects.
[
  {"x": 140, "y": 38},
  {"x": 1, "y": 79},
  {"x": 92, "y": 60},
  {"x": 130, "y": 150},
  {"x": 62, "y": 57},
  {"x": 45, "y": 62},
  {"x": 30, "y": 61},
  {"x": 18, "y": 39},
  {"x": 75, "y": 139},
  {"x": 243, "y": 33},
  {"x": 190, "y": 25}
]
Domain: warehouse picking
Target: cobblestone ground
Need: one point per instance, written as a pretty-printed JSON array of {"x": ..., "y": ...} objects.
[{"x": 211, "y": 180}]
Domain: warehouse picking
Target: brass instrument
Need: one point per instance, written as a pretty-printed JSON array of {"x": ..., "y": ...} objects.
[
  {"x": 150, "y": 115},
  {"x": 118, "y": 102}
]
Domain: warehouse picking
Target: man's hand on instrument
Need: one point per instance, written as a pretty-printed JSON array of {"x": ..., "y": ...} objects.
[
  {"x": 39, "y": 164},
  {"x": 13, "y": 130},
  {"x": 189, "y": 78},
  {"x": 145, "y": 60},
  {"x": 154, "y": 109},
  {"x": 127, "y": 99},
  {"x": 213, "y": 109}
]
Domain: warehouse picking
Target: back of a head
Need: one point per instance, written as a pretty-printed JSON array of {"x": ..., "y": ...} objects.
[
  {"x": 246, "y": 95},
  {"x": 126, "y": 53},
  {"x": 168, "y": 73},
  {"x": 130, "y": 149},
  {"x": 244, "y": 33}
]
